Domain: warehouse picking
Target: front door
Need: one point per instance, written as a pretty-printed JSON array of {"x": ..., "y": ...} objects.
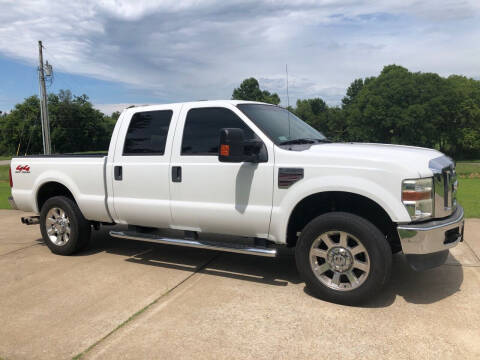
[{"x": 215, "y": 197}]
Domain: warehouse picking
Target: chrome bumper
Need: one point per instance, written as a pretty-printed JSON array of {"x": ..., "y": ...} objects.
[
  {"x": 12, "y": 203},
  {"x": 433, "y": 236}
]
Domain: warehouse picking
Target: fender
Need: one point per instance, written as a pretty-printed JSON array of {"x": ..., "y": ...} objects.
[
  {"x": 92, "y": 206},
  {"x": 284, "y": 206},
  {"x": 58, "y": 177}
]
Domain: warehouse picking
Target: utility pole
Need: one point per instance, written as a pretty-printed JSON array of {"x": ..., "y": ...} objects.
[{"x": 43, "y": 103}]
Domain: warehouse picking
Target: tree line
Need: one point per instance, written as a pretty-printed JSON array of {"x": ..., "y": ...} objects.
[
  {"x": 397, "y": 106},
  {"x": 75, "y": 126}
]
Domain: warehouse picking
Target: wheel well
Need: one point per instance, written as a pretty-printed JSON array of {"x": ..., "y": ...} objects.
[
  {"x": 324, "y": 202},
  {"x": 51, "y": 189}
]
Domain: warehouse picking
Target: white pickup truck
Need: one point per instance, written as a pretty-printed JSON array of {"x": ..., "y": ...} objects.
[{"x": 252, "y": 171}]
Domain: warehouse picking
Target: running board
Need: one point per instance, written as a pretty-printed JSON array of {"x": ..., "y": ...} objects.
[{"x": 201, "y": 244}]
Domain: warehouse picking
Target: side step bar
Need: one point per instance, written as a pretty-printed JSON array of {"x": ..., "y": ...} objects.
[{"x": 210, "y": 245}]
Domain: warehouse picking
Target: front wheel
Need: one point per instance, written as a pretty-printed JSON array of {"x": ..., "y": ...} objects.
[
  {"x": 343, "y": 258},
  {"x": 63, "y": 227}
]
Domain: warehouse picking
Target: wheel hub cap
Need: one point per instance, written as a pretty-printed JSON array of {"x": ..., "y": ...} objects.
[
  {"x": 339, "y": 259},
  {"x": 57, "y": 225}
]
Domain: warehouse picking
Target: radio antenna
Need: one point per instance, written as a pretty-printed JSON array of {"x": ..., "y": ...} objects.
[
  {"x": 288, "y": 102},
  {"x": 288, "y": 98}
]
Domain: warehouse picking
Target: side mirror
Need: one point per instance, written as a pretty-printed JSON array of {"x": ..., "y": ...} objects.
[
  {"x": 253, "y": 149},
  {"x": 231, "y": 147}
]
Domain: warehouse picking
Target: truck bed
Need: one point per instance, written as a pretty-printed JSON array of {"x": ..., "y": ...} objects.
[{"x": 82, "y": 174}]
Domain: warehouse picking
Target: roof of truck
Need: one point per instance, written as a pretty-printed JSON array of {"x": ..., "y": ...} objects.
[{"x": 195, "y": 103}]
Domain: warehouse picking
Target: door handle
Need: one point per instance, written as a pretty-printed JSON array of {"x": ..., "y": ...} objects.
[
  {"x": 176, "y": 173},
  {"x": 118, "y": 173}
]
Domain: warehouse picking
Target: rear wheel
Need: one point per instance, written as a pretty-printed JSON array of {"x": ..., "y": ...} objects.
[
  {"x": 343, "y": 258},
  {"x": 63, "y": 227}
]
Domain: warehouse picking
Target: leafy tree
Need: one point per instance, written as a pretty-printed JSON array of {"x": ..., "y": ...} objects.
[
  {"x": 75, "y": 126},
  {"x": 249, "y": 89},
  {"x": 421, "y": 109},
  {"x": 313, "y": 111},
  {"x": 329, "y": 120},
  {"x": 397, "y": 106},
  {"x": 20, "y": 129},
  {"x": 352, "y": 91}
]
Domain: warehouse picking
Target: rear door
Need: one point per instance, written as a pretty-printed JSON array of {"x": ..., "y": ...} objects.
[{"x": 141, "y": 167}]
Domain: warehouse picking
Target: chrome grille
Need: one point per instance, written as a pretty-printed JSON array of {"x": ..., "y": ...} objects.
[{"x": 445, "y": 184}]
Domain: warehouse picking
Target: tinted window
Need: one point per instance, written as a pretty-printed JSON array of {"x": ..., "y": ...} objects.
[
  {"x": 201, "y": 133},
  {"x": 147, "y": 133}
]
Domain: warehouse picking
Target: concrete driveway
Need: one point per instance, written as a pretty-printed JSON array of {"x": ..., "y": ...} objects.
[{"x": 125, "y": 299}]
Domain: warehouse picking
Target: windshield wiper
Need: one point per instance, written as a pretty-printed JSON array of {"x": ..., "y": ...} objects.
[{"x": 304, "y": 141}]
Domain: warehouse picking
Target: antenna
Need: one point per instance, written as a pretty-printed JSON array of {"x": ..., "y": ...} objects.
[
  {"x": 288, "y": 102},
  {"x": 288, "y": 98}
]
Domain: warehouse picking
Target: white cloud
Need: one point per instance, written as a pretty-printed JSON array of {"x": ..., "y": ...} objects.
[{"x": 188, "y": 50}]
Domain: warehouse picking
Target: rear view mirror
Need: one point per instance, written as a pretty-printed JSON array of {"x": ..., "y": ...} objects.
[{"x": 231, "y": 147}]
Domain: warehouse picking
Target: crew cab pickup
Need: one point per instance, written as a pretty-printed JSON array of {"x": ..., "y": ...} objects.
[{"x": 254, "y": 172}]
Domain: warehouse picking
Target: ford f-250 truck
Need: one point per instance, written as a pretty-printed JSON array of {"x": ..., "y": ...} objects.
[{"x": 255, "y": 171}]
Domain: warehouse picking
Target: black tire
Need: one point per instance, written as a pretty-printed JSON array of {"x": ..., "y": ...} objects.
[
  {"x": 80, "y": 228},
  {"x": 377, "y": 248}
]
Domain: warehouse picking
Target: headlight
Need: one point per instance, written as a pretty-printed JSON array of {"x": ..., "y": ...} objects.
[{"x": 417, "y": 196}]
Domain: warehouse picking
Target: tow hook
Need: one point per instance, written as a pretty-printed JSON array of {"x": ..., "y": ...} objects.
[{"x": 31, "y": 220}]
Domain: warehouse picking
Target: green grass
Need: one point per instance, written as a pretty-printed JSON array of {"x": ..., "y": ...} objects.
[
  {"x": 468, "y": 169},
  {"x": 4, "y": 194},
  {"x": 469, "y": 197},
  {"x": 4, "y": 187},
  {"x": 5, "y": 157},
  {"x": 4, "y": 172}
]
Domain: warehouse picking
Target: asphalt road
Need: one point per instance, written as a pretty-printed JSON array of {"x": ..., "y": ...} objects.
[
  {"x": 4, "y": 162},
  {"x": 133, "y": 300}
]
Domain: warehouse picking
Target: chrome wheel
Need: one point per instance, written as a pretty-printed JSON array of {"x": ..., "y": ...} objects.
[
  {"x": 339, "y": 260},
  {"x": 57, "y": 225}
]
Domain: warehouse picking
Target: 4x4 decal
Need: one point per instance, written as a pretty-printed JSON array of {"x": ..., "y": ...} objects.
[{"x": 22, "y": 169}]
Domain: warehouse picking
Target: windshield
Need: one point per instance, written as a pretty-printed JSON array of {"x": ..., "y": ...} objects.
[{"x": 280, "y": 125}]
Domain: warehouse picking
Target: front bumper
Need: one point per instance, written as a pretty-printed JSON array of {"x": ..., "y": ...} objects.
[
  {"x": 12, "y": 203},
  {"x": 428, "y": 242}
]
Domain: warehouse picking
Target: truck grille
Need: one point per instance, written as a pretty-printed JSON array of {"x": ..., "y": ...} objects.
[{"x": 445, "y": 184}]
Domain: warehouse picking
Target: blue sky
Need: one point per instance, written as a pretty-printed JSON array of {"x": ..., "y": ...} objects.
[{"x": 122, "y": 52}]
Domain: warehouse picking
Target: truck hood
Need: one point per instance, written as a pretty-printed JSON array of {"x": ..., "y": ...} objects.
[{"x": 411, "y": 158}]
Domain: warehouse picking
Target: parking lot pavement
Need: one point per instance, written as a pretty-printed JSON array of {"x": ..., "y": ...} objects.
[
  {"x": 13, "y": 235},
  {"x": 126, "y": 299},
  {"x": 54, "y": 307},
  {"x": 473, "y": 232}
]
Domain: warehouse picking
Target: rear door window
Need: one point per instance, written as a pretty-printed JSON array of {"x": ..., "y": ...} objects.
[{"x": 147, "y": 133}]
